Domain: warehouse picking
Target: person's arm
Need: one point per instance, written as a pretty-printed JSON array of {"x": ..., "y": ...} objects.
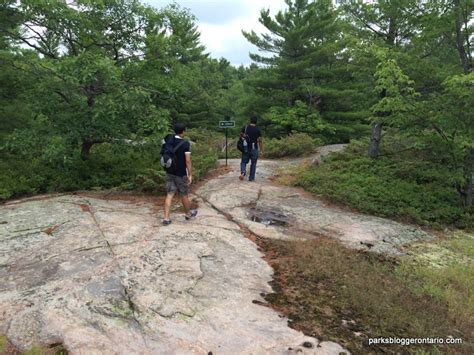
[
  {"x": 189, "y": 167},
  {"x": 260, "y": 142}
]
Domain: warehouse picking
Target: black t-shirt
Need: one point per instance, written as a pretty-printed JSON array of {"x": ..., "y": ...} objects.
[
  {"x": 180, "y": 157},
  {"x": 253, "y": 134}
]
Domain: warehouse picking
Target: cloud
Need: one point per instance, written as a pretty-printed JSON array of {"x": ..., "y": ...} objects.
[
  {"x": 208, "y": 11},
  {"x": 221, "y": 24}
]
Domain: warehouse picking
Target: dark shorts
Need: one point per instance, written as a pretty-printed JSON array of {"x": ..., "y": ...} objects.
[{"x": 177, "y": 183}]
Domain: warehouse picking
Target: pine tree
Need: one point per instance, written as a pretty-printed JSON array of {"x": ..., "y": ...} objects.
[{"x": 307, "y": 64}]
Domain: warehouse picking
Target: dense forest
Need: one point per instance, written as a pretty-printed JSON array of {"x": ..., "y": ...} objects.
[{"x": 89, "y": 87}]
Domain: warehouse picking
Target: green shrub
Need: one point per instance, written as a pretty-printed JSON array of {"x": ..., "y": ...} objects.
[
  {"x": 204, "y": 158},
  {"x": 407, "y": 187},
  {"x": 120, "y": 166},
  {"x": 295, "y": 145},
  {"x": 216, "y": 141}
]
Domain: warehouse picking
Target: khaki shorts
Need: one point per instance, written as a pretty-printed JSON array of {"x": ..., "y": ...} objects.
[{"x": 177, "y": 183}]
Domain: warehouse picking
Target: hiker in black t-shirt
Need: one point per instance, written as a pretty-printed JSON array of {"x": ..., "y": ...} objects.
[
  {"x": 253, "y": 137},
  {"x": 180, "y": 176}
]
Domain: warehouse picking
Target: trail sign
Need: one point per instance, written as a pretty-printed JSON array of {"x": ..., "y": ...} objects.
[{"x": 226, "y": 124}]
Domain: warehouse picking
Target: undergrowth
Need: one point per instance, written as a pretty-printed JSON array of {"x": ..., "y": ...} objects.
[{"x": 409, "y": 186}]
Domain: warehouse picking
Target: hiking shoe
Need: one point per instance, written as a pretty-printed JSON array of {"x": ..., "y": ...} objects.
[
  {"x": 192, "y": 214},
  {"x": 166, "y": 222},
  {"x": 242, "y": 176}
]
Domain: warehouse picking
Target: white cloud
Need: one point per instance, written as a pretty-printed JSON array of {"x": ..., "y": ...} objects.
[
  {"x": 226, "y": 40},
  {"x": 221, "y": 24}
]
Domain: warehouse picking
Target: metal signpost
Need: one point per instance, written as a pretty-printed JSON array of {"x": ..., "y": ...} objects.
[{"x": 226, "y": 125}]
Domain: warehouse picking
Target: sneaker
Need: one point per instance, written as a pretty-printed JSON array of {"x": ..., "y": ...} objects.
[
  {"x": 192, "y": 214},
  {"x": 242, "y": 176},
  {"x": 166, "y": 222}
]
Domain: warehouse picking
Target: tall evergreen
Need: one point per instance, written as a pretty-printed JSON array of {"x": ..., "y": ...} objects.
[{"x": 304, "y": 60}]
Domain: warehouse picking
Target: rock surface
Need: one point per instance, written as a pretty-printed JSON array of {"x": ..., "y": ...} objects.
[
  {"x": 279, "y": 212},
  {"x": 103, "y": 276}
]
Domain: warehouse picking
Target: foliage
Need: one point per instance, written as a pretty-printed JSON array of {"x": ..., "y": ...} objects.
[
  {"x": 403, "y": 185},
  {"x": 396, "y": 93},
  {"x": 299, "y": 117},
  {"x": 87, "y": 89},
  {"x": 294, "y": 145},
  {"x": 306, "y": 65},
  {"x": 82, "y": 92},
  {"x": 111, "y": 166}
]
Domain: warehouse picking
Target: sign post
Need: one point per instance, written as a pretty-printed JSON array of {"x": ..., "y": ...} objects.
[{"x": 226, "y": 125}]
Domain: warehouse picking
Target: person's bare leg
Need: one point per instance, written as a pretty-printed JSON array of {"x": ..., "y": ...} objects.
[
  {"x": 168, "y": 200},
  {"x": 186, "y": 204}
]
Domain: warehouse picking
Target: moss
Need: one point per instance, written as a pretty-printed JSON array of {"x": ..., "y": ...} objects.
[
  {"x": 121, "y": 323},
  {"x": 124, "y": 312},
  {"x": 37, "y": 350},
  {"x": 3, "y": 343}
]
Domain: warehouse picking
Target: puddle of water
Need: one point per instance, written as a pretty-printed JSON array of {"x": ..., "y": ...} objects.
[{"x": 268, "y": 218}]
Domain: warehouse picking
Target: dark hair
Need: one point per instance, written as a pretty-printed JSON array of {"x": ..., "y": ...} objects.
[
  {"x": 253, "y": 119},
  {"x": 179, "y": 128}
]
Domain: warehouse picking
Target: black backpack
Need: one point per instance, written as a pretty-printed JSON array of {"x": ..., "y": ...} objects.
[
  {"x": 241, "y": 142},
  {"x": 169, "y": 148}
]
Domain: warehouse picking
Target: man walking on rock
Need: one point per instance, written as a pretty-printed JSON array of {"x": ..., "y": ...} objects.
[
  {"x": 180, "y": 176},
  {"x": 253, "y": 138}
]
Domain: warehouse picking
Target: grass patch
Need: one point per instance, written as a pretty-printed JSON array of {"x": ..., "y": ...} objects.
[
  {"x": 406, "y": 186},
  {"x": 338, "y": 294},
  {"x": 445, "y": 272}
]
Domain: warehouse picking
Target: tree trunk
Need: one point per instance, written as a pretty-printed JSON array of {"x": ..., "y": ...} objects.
[
  {"x": 467, "y": 170},
  {"x": 392, "y": 32},
  {"x": 86, "y": 148},
  {"x": 374, "y": 146},
  {"x": 461, "y": 39}
]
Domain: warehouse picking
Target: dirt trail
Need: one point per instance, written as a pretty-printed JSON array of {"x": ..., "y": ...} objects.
[{"x": 103, "y": 276}]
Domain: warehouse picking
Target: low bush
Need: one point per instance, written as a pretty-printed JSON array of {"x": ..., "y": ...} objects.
[
  {"x": 406, "y": 186},
  {"x": 118, "y": 166},
  {"x": 295, "y": 145},
  {"x": 216, "y": 141}
]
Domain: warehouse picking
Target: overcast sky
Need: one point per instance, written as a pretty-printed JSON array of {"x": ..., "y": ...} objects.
[{"x": 221, "y": 21}]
